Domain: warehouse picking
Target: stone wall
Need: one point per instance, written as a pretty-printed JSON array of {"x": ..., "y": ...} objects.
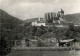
[{"x": 44, "y": 51}]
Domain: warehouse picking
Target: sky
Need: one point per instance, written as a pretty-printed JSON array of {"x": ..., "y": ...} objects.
[{"x": 26, "y": 9}]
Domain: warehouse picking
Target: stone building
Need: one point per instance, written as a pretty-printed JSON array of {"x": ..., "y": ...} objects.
[
  {"x": 51, "y": 42},
  {"x": 50, "y": 17},
  {"x": 39, "y": 22},
  {"x": 67, "y": 43},
  {"x": 53, "y": 17}
]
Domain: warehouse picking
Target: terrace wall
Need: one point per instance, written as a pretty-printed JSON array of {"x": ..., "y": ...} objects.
[{"x": 43, "y": 51}]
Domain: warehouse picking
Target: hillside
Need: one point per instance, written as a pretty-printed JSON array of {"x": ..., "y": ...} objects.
[
  {"x": 73, "y": 18},
  {"x": 7, "y": 20},
  {"x": 7, "y": 25},
  {"x": 30, "y": 20}
]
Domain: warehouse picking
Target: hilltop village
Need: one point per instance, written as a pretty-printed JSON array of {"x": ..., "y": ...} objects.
[
  {"x": 51, "y": 31},
  {"x": 52, "y": 18}
]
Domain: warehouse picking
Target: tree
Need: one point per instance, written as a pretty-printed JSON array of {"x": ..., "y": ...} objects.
[
  {"x": 48, "y": 35},
  {"x": 60, "y": 33},
  {"x": 5, "y": 44},
  {"x": 40, "y": 31},
  {"x": 73, "y": 32},
  {"x": 33, "y": 30},
  {"x": 71, "y": 27},
  {"x": 27, "y": 24},
  {"x": 40, "y": 43}
]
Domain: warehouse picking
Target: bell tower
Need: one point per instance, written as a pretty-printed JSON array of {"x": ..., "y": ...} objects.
[{"x": 61, "y": 13}]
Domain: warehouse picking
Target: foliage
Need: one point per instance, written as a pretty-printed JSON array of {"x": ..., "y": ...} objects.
[
  {"x": 73, "y": 32},
  {"x": 5, "y": 42},
  {"x": 40, "y": 43},
  {"x": 75, "y": 18},
  {"x": 40, "y": 31},
  {"x": 7, "y": 25}
]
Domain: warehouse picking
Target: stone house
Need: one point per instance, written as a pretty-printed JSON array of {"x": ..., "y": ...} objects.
[
  {"x": 39, "y": 22},
  {"x": 51, "y": 42},
  {"x": 66, "y": 43}
]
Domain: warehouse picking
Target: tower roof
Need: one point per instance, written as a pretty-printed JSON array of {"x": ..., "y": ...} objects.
[{"x": 61, "y": 11}]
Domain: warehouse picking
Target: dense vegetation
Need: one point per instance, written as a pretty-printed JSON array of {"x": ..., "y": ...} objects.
[
  {"x": 7, "y": 25},
  {"x": 41, "y": 33},
  {"x": 73, "y": 18},
  {"x": 52, "y": 32}
]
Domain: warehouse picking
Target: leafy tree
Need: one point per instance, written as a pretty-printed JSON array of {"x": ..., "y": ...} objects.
[
  {"x": 73, "y": 32},
  {"x": 40, "y": 31},
  {"x": 27, "y": 24},
  {"x": 48, "y": 35},
  {"x": 71, "y": 27},
  {"x": 33, "y": 30},
  {"x": 40, "y": 43},
  {"x": 5, "y": 43}
]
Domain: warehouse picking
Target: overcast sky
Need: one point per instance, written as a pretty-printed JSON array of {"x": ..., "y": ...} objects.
[{"x": 25, "y": 9}]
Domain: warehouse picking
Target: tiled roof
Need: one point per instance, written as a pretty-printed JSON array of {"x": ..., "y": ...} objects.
[{"x": 68, "y": 40}]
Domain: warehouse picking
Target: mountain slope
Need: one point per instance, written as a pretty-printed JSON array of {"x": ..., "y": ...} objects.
[
  {"x": 30, "y": 20},
  {"x": 75, "y": 18},
  {"x": 7, "y": 20}
]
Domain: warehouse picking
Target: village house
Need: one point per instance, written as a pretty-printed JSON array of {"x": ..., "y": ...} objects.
[
  {"x": 77, "y": 44},
  {"x": 67, "y": 43},
  {"x": 33, "y": 43},
  {"x": 26, "y": 43},
  {"x": 39, "y": 22},
  {"x": 51, "y": 42}
]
